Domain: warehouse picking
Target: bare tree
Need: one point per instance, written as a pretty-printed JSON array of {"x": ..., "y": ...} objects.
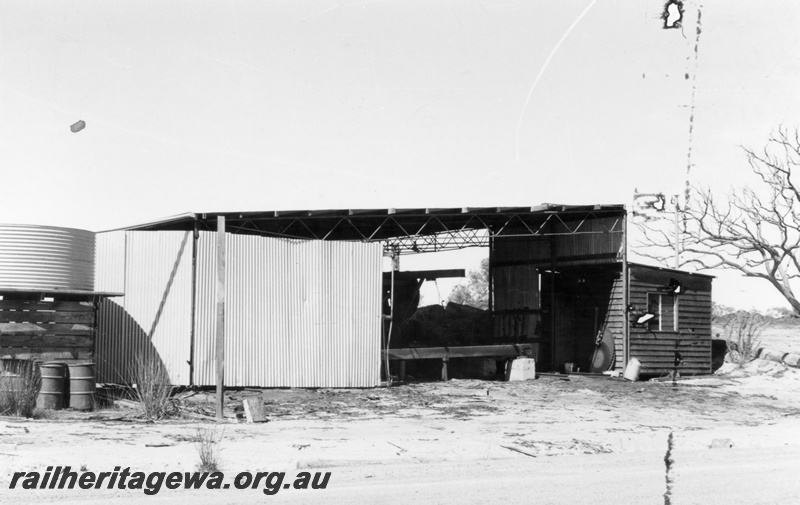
[{"x": 755, "y": 231}]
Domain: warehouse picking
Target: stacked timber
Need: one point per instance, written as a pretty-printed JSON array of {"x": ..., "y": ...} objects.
[{"x": 60, "y": 330}]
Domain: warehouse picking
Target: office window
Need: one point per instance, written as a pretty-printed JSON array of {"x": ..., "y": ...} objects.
[{"x": 665, "y": 308}]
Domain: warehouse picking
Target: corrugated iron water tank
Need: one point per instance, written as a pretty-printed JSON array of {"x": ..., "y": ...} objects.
[{"x": 46, "y": 258}]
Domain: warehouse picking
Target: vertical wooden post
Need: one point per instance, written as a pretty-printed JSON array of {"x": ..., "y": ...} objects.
[
  {"x": 195, "y": 236},
  {"x": 220, "y": 339},
  {"x": 626, "y": 299}
]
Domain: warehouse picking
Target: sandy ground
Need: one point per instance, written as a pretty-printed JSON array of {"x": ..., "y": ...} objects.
[{"x": 576, "y": 438}]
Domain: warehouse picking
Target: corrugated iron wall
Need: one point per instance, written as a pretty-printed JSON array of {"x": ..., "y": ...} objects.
[
  {"x": 298, "y": 313},
  {"x": 517, "y": 304},
  {"x": 110, "y": 262},
  {"x": 154, "y": 318},
  {"x": 593, "y": 244}
]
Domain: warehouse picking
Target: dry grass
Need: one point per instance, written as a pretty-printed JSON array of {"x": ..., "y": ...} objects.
[
  {"x": 19, "y": 389},
  {"x": 742, "y": 333},
  {"x": 153, "y": 390},
  {"x": 207, "y": 445}
]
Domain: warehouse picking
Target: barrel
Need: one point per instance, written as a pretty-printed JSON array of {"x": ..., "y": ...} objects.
[
  {"x": 81, "y": 386},
  {"x": 51, "y": 395},
  {"x": 632, "y": 370}
]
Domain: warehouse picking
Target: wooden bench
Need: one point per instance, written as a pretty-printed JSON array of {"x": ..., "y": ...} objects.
[{"x": 502, "y": 351}]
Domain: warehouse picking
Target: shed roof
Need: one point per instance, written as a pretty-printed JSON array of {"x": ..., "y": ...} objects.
[{"x": 461, "y": 225}]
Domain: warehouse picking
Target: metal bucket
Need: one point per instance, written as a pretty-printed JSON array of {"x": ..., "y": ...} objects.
[
  {"x": 632, "y": 370},
  {"x": 81, "y": 386},
  {"x": 51, "y": 395}
]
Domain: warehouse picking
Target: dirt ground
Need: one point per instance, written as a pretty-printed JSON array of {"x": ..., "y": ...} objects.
[{"x": 469, "y": 423}]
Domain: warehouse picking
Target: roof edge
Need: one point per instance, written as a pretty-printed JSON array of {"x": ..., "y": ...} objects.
[
  {"x": 176, "y": 218},
  {"x": 667, "y": 269}
]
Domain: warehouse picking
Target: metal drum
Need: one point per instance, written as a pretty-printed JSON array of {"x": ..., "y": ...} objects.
[
  {"x": 51, "y": 396},
  {"x": 81, "y": 386},
  {"x": 632, "y": 370}
]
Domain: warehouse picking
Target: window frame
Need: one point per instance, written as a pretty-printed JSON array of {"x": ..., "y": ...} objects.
[{"x": 658, "y": 310}]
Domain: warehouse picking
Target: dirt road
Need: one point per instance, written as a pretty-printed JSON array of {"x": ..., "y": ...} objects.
[{"x": 550, "y": 440}]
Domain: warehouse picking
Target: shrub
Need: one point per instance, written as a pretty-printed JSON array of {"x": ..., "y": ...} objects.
[
  {"x": 742, "y": 332},
  {"x": 153, "y": 389},
  {"x": 19, "y": 389},
  {"x": 207, "y": 445}
]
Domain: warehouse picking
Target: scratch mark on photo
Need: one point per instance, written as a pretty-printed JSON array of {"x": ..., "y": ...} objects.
[
  {"x": 689, "y": 163},
  {"x": 544, "y": 67}
]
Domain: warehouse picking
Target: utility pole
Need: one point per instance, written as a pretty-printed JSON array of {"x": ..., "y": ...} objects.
[{"x": 675, "y": 200}]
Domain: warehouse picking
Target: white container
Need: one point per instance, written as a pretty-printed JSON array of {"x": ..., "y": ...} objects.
[
  {"x": 521, "y": 369},
  {"x": 632, "y": 370}
]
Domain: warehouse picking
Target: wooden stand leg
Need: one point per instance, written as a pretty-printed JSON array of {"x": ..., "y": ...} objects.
[
  {"x": 444, "y": 368},
  {"x": 402, "y": 369},
  {"x": 501, "y": 365}
]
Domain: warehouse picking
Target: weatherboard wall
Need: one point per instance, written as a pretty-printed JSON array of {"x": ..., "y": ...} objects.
[{"x": 656, "y": 349}]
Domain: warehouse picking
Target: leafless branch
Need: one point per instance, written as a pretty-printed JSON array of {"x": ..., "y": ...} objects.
[{"x": 755, "y": 231}]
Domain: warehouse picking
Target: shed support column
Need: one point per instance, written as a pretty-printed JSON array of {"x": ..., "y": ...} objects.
[
  {"x": 553, "y": 311},
  {"x": 444, "y": 367},
  {"x": 490, "y": 279},
  {"x": 626, "y": 300},
  {"x": 220, "y": 338},
  {"x": 195, "y": 236}
]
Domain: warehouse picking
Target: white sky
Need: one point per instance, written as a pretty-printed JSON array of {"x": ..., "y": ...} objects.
[{"x": 262, "y": 105}]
